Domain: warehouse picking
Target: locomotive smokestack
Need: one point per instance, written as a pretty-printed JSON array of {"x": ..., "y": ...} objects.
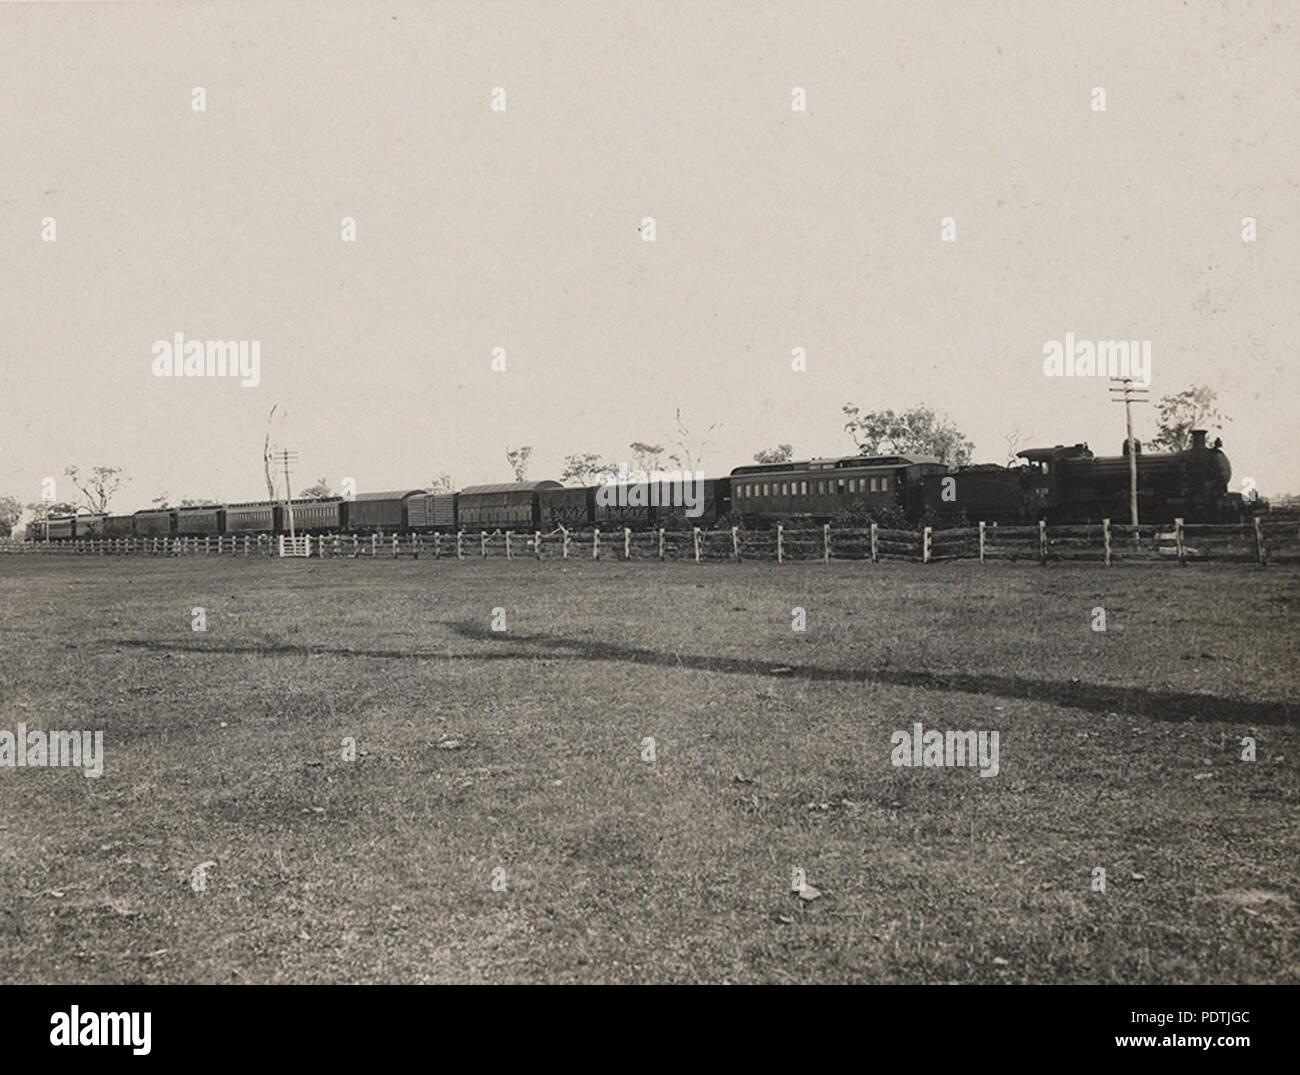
[{"x": 1198, "y": 440}]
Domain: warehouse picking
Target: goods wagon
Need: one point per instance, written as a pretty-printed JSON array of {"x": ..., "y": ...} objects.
[
  {"x": 154, "y": 523},
  {"x": 251, "y": 517},
  {"x": 314, "y": 516},
  {"x": 379, "y": 511},
  {"x": 431, "y": 511},
  {"x": 201, "y": 520},
  {"x": 569, "y": 508},
  {"x": 507, "y": 506},
  {"x": 714, "y": 503},
  {"x": 618, "y": 506},
  {"x": 119, "y": 526}
]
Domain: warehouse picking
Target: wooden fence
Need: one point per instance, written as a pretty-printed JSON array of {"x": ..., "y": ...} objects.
[{"x": 1260, "y": 540}]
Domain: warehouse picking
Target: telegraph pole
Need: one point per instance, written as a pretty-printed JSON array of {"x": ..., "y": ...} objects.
[
  {"x": 287, "y": 457},
  {"x": 1128, "y": 395}
]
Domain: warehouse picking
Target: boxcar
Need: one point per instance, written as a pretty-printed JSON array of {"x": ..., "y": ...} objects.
[
  {"x": 314, "y": 515},
  {"x": 431, "y": 511},
  {"x": 119, "y": 526},
  {"x": 506, "y": 506},
  {"x": 569, "y": 508},
  {"x": 617, "y": 506},
  {"x": 200, "y": 520},
  {"x": 379, "y": 511},
  {"x": 154, "y": 523},
  {"x": 252, "y": 517},
  {"x": 672, "y": 514}
]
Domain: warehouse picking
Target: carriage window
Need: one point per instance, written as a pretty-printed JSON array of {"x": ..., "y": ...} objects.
[
  {"x": 785, "y": 488},
  {"x": 765, "y": 488},
  {"x": 803, "y": 488},
  {"x": 839, "y": 486},
  {"x": 884, "y": 485}
]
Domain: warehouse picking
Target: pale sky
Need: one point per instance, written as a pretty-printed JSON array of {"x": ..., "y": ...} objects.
[{"x": 774, "y": 229}]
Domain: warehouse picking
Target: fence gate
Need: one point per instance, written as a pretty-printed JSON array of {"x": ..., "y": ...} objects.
[{"x": 295, "y": 546}]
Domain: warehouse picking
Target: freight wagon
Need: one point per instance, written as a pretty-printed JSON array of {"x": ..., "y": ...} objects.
[{"x": 506, "y": 506}]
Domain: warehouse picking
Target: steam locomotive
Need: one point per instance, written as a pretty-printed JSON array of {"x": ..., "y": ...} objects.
[{"x": 1062, "y": 484}]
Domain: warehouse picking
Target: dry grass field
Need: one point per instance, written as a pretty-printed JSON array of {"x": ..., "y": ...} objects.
[{"x": 522, "y": 750}]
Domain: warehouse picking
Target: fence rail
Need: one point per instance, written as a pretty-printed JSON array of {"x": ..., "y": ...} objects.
[{"x": 1260, "y": 540}]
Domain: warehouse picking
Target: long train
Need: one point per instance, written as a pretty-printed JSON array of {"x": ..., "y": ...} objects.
[{"x": 1063, "y": 484}]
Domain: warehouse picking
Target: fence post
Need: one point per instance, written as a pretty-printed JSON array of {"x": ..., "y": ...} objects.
[
  {"x": 309, "y": 547},
  {"x": 627, "y": 543},
  {"x": 826, "y": 543},
  {"x": 925, "y": 545},
  {"x": 595, "y": 543},
  {"x": 567, "y": 542},
  {"x": 875, "y": 543},
  {"x": 509, "y": 554},
  {"x": 735, "y": 544},
  {"x": 437, "y": 544},
  {"x": 696, "y": 538},
  {"x": 1042, "y": 541},
  {"x": 1259, "y": 542},
  {"x": 482, "y": 544},
  {"x": 1178, "y": 539},
  {"x": 206, "y": 547},
  {"x": 981, "y": 541},
  {"x": 460, "y": 544},
  {"x": 374, "y": 545},
  {"x": 537, "y": 544},
  {"x": 780, "y": 543},
  {"x": 281, "y": 544},
  {"x": 1105, "y": 536},
  {"x": 394, "y": 546},
  {"x": 661, "y": 543}
]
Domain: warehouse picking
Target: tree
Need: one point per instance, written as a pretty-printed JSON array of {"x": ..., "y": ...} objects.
[
  {"x": 320, "y": 491},
  {"x": 268, "y": 454},
  {"x": 1013, "y": 438},
  {"x": 1177, "y": 415},
  {"x": 442, "y": 484},
  {"x": 10, "y": 512},
  {"x": 916, "y": 432},
  {"x": 583, "y": 468},
  {"x": 782, "y": 453},
  {"x": 690, "y": 449},
  {"x": 518, "y": 460},
  {"x": 646, "y": 457},
  {"x": 98, "y": 487}
]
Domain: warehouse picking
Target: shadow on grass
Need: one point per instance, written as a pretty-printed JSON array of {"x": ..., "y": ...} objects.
[{"x": 1100, "y": 698}]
